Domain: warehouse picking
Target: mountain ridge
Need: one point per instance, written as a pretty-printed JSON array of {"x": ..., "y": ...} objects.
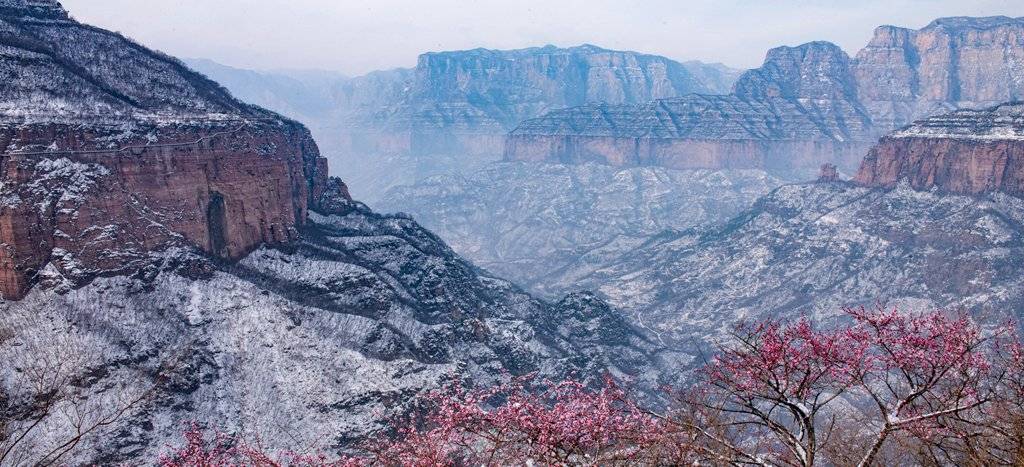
[{"x": 900, "y": 76}]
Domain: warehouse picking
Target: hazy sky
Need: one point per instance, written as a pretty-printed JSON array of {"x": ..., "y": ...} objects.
[{"x": 359, "y": 36}]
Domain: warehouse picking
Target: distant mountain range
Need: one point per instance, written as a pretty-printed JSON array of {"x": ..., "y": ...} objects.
[
  {"x": 807, "y": 105},
  {"x": 804, "y": 106},
  {"x": 452, "y": 111}
]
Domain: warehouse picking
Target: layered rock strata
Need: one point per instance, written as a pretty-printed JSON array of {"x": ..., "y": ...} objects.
[
  {"x": 901, "y": 75},
  {"x": 967, "y": 151},
  {"x": 796, "y": 111},
  {"x": 102, "y": 164}
]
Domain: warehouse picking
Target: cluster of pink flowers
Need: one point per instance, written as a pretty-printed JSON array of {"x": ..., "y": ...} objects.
[{"x": 563, "y": 423}]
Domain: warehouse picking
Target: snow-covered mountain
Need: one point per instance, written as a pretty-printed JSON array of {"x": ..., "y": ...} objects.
[
  {"x": 324, "y": 340},
  {"x": 531, "y": 222},
  {"x": 811, "y": 249},
  {"x": 169, "y": 254}
]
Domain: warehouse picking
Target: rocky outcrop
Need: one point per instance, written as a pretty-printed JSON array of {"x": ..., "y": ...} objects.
[
  {"x": 900, "y": 76},
  {"x": 792, "y": 113},
  {"x": 967, "y": 151},
  {"x": 101, "y": 164}
]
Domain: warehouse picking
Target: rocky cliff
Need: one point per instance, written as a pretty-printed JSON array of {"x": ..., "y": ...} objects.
[
  {"x": 961, "y": 62},
  {"x": 794, "y": 112},
  {"x": 901, "y": 75},
  {"x": 967, "y": 151},
  {"x": 104, "y": 163},
  {"x": 169, "y": 254},
  {"x": 453, "y": 109}
]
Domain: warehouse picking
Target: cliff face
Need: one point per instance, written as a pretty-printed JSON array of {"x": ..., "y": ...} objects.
[
  {"x": 103, "y": 164},
  {"x": 791, "y": 113},
  {"x": 967, "y": 151},
  {"x": 452, "y": 111},
  {"x": 464, "y": 102},
  {"x": 901, "y": 75},
  {"x": 76, "y": 209},
  {"x": 960, "y": 62}
]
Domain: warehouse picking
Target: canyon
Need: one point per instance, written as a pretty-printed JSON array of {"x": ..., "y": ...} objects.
[
  {"x": 450, "y": 113},
  {"x": 806, "y": 106},
  {"x": 176, "y": 255}
]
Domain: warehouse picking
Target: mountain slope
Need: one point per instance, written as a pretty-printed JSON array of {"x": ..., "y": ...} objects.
[
  {"x": 810, "y": 249},
  {"x": 169, "y": 254},
  {"x": 528, "y": 222},
  {"x": 324, "y": 340},
  {"x": 58, "y": 68}
]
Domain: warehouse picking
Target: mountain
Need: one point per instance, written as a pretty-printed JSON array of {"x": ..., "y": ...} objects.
[
  {"x": 805, "y": 106},
  {"x": 959, "y": 62},
  {"x": 451, "y": 112},
  {"x": 306, "y": 96},
  {"x": 967, "y": 151},
  {"x": 928, "y": 239},
  {"x": 807, "y": 250},
  {"x": 325, "y": 340},
  {"x": 104, "y": 163},
  {"x": 171, "y": 254},
  {"x": 795, "y": 112},
  {"x": 529, "y": 222}
]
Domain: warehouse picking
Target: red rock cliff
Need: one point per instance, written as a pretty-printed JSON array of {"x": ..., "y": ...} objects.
[
  {"x": 79, "y": 201},
  {"x": 967, "y": 151}
]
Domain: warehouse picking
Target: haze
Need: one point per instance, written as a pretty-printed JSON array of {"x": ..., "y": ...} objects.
[{"x": 357, "y": 37}]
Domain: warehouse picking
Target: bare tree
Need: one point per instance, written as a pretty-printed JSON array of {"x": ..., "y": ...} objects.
[{"x": 48, "y": 407}]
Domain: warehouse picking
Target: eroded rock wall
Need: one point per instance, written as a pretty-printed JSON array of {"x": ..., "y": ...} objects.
[{"x": 80, "y": 201}]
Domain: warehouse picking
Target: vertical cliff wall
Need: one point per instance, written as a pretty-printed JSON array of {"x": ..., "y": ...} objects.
[
  {"x": 110, "y": 152},
  {"x": 967, "y": 151},
  {"x": 75, "y": 208},
  {"x": 900, "y": 76}
]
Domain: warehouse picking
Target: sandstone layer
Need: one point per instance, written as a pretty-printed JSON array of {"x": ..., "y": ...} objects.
[{"x": 966, "y": 151}]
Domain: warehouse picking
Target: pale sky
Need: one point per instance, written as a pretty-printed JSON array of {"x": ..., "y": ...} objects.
[{"x": 355, "y": 37}]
